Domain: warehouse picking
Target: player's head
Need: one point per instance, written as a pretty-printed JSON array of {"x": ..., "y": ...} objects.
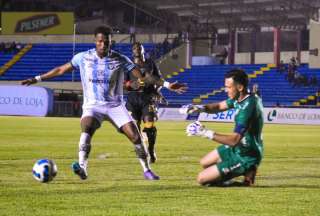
[
  {"x": 102, "y": 35},
  {"x": 236, "y": 82},
  {"x": 138, "y": 52}
]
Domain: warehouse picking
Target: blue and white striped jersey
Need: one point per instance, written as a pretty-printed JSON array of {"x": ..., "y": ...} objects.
[{"x": 102, "y": 78}]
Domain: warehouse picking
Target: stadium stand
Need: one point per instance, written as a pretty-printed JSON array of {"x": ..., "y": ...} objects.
[
  {"x": 43, "y": 57},
  {"x": 204, "y": 81},
  {"x": 276, "y": 90}
]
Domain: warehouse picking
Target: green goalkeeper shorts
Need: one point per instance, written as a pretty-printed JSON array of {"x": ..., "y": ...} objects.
[{"x": 233, "y": 164}]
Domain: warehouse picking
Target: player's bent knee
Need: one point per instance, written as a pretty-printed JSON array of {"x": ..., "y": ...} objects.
[
  {"x": 201, "y": 179},
  {"x": 203, "y": 162},
  {"x": 209, "y": 175},
  {"x": 132, "y": 132},
  {"x": 89, "y": 125},
  {"x": 136, "y": 138}
]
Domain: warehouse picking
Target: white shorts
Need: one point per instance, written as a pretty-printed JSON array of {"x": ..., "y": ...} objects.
[{"x": 118, "y": 115}]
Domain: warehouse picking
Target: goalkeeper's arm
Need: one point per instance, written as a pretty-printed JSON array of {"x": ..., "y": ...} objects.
[
  {"x": 208, "y": 108},
  {"x": 227, "y": 139},
  {"x": 215, "y": 107},
  {"x": 197, "y": 129}
]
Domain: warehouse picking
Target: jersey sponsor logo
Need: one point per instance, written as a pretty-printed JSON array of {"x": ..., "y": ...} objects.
[
  {"x": 89, "y": 61},
  {"x": 100, "y": 72},
  {"x": 111, "y": 66},
  {"x": 98, "y": 81}
]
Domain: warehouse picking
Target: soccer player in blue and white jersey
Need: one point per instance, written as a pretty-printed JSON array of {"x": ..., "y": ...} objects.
[{"x": 102, "y": 75}]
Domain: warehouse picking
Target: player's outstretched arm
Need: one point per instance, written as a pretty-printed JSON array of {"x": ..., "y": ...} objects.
[
  {"x": 155, "y": 80},
  {"x": 58, "y": 71},
  {"x": 179, "y": 88},
  {"x": 208, "y": 108},
  {"x": 192, "y": 108},
  {"x": 197, "y": 129}
]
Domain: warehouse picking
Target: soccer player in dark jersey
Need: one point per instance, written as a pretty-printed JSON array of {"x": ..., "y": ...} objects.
[
  {"x": 143, "y": 99},
  {"x": 242, "y": 150}
]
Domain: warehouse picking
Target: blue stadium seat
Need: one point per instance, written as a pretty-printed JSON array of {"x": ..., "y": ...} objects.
[
  {"x": 273, "y": 85},
  {"x": 43, "y": 57}
]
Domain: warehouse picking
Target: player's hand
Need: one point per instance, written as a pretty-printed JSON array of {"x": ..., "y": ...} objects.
[
  {"x": 178, "y": 87},
  {"x": 28, "y": 82},
  {"x": 191, "y": 108},
  {"x": 137, "y": 84},
  {"x": 133, "y": 85},
  {"x": 197, "y": 129}
]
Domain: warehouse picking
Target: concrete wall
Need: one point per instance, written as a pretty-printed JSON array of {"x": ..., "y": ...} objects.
[
  {"x": 201, "y": 47},
  {"x": 314, "y": 44},
  {"x": 174, "y": 60},
  {"x": 267, "y": 57}
]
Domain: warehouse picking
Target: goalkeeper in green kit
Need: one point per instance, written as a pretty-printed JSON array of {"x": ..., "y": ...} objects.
[{"x": 242, "y": 150}]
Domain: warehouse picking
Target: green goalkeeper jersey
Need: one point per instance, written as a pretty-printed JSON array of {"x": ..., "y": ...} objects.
[{"x": 249, "y": 123}]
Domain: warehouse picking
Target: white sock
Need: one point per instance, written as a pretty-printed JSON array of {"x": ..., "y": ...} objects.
[
  {"x": 84, "y": 150},
  {"x": 145, "y": 164},
  {"x": 142, "y": 156}
]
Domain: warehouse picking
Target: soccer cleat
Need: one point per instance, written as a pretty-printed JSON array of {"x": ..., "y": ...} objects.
[
  {"x": 78, "y": 170},
  {"x": 149, "y": 175},
  {"x": 250, "y": 176}
]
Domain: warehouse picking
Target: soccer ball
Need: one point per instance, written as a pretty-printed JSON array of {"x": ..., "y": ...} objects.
[{"x": 44, "y": 170}]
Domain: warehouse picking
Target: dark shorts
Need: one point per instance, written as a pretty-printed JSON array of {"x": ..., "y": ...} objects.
[
  {"x": 141, "y": 105},
  {"x": 233, "y": 164}
]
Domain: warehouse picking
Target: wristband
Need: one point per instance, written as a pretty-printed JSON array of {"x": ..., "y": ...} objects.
[
  {"x": 38, "y": 78},
  {"x": 166, "y": 84}
]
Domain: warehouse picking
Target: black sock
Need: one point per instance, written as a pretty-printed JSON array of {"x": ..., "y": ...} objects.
[{"x": 151, "y": 134}]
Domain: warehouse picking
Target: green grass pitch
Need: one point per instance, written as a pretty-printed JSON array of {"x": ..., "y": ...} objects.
[{"x": 288, "y": 181}]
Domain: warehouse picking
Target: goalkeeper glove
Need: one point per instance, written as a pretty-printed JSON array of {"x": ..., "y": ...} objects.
[
  {"x": 197, "y": 129},
  {"x": 190, "y": 108}
]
